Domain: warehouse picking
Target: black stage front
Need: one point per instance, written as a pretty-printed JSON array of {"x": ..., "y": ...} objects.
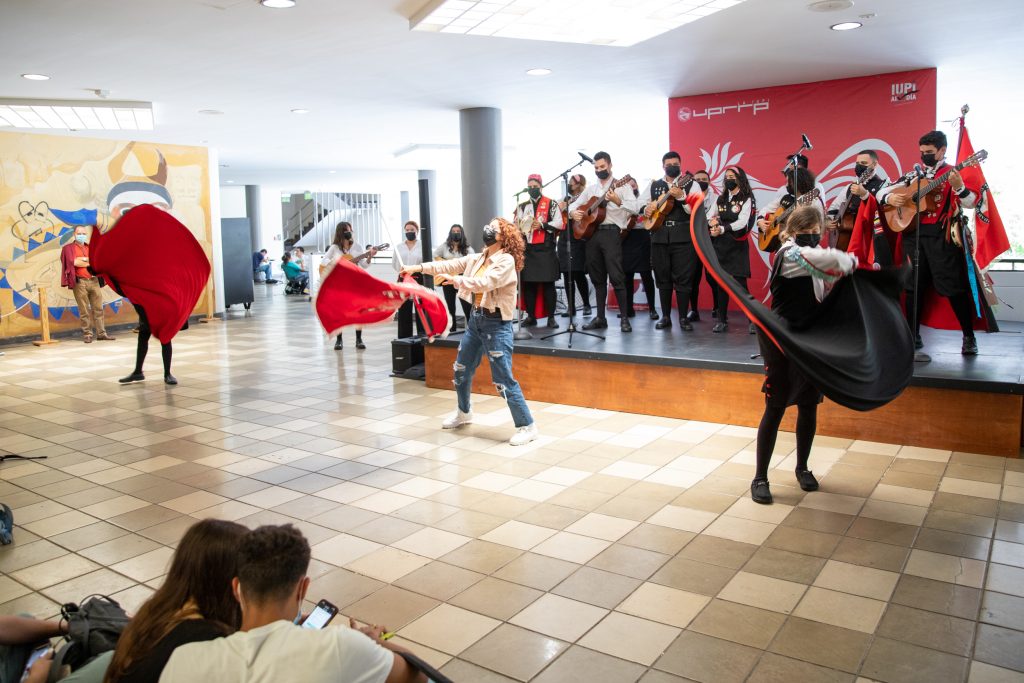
[{"x": 998, "y": 368}]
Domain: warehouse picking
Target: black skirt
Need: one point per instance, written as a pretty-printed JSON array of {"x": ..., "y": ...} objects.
[
  {"x": 579, "y": 253},
  {"x": 540, "y": 264},
  {"x": 784, "y": 384},
  {"x": 733, "y": 254},
  {"x": 636, "y": 251}
]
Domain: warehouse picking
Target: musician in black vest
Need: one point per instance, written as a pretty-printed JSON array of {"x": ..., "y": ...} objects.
[
  {"x": 703, "y": 180},
  {"x": 636, "y": 258},
  {"x": 737, "y": 209},
  {"x": 672, "y": 252},
  {"x": 799, "y": 182},
  {"x": 866, "y": 170},
  {"x": 539, "y": 219},
  {"x": 604, "y": 248},
  {"x": 577, "y": 274},
  {"x": 941, "y": 260}
]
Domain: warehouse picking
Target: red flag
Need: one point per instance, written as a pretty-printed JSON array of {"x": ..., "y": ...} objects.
[
  {"x": 988, "y": 226},
  {"x": 156, "y": 262},
  {"x": 348, "y": 295},
  {"x": 862, "y": 240}
]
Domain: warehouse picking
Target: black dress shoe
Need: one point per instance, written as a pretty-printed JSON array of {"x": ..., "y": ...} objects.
[
  {"x": 807, "y": 480},
  {"x": 970, "y": 347},
  {"x": 134, "y": 377},
  {"x": 625, "y": 326},
  {"x": 720, "y": 327},
  {"x": 654, "y": 314},
  {"x": 664, "y": 323},
  {"x": 360, "y": 345},
  {"x": 685, "y": 326},
  {"x": 588, "y": 311},
  {"x": 693, "y": 317},
  {"x": 760, "y": 493},
  {"x": 552, "y": 323},
  {"x": 169, "y": 379},
  {"x": 338, "y": 346},
  {"x": 529, "y": 322},
  {"x": 596, "y": 324}
]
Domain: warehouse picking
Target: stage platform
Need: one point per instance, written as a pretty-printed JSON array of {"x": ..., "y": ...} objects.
[{"x": 957, "y": 403}]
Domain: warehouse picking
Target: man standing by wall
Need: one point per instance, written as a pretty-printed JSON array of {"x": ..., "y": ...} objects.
[{"x": 75, "y": 275}]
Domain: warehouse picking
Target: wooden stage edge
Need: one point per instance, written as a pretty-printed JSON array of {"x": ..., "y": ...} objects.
[{"x": 946, "y": 419}]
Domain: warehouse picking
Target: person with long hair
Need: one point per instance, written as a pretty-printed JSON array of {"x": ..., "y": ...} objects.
[
  {"x": 568, "y": 246},
  {"x": 798, "y": 278},
  {"x": 408, "y": 253},
  {"x": 488, "y": 281},
  {"x": 737, "y": 210},
  {"x": 710, "y": 205},
  {"x": 195, "y": 603},
  {"x": 456, "y": 246},
  {"x": 342, "y": 248}
]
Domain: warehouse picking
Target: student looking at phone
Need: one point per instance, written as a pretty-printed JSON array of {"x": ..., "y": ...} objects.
[{"x": 270, "y": 586}]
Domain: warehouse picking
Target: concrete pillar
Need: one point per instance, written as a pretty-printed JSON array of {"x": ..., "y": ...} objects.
[
  {"x": 252, "y": 211},
  {"x": 480, "y": 142}
]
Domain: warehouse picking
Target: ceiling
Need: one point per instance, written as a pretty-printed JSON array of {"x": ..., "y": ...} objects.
[{"x": 374, "y": 87}]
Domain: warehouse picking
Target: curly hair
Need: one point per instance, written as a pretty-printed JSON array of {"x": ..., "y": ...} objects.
[
  {"x": 511, "y": 241},
  {"x": 271, "y": 561}
]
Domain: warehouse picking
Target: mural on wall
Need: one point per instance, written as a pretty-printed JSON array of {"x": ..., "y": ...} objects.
[{"x": 48, "y": 183}]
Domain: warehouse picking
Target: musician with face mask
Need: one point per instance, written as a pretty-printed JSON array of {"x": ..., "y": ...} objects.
[
  {"x": 577, "y": 274},
  {"x": 703, "y": 181},
  {"x": 800, "y": 273},
  {"x": 540, "y": 220},
  {"x": 870, "y": 179},
  {"x": 456, "y": 246},
  {"x": 730, "y": 228},
  {"x": 488, "y": 282},
  {"x": 941, "y": 261},
  {"x": 343, "y": 246},
  {"x": 411, "y": 254}
]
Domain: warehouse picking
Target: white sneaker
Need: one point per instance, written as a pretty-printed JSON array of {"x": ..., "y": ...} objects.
[
  {"x": 524, "y": 435},
  {"x": 457, "y": 420}
]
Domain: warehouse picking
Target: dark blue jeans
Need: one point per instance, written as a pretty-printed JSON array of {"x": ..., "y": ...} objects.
[{"x": 493, "y": 336}]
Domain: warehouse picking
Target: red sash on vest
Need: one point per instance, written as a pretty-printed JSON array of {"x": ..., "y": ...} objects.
[{"x": 543, "y": 208}]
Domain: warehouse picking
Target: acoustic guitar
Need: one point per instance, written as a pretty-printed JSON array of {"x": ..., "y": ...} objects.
[
  {"x": 594, "y": 212},
  {"x": 355, "y": 259},
  {"x": 845, "y": 223},
  {"x": 768, "y": 239},
  {"x": 900, "y": 218},
  {"x": 666, "y": 203}
]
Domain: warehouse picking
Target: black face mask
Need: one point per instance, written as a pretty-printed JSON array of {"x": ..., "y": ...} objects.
[
  {"x": 602, "y": 175},
  {"x": 534, "y": 192},
  {"x": 490, "y": 235},
  {"x": 455, "y": 236},
  {"x": 673, "y": 171},
  {"x": 731, "y": 184},
  {"x": 807, "y": 240},
  {"x": 860, "y": 169},
  {"x": 928, "y": 159},
  {"x": 346, "y": 236},
  {"x": 703, "y": 185},
  {"x": 410, "y": 235}
]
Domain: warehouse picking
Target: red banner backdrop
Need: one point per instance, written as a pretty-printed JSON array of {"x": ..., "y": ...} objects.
[{"x": 757, "y": 129}]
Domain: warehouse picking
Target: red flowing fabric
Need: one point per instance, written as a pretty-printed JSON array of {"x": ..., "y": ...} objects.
[
  {"x": 988, "y": 226},
  {"x": 865, "y": 241},
  {"x": 348, "y": 296},
  {"x": 154, "y": 261}
]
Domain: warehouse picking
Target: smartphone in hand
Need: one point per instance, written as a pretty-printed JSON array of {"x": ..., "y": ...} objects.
[{"x": 321, "y": 615}]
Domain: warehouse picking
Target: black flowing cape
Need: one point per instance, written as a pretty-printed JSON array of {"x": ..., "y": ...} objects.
[{"x": 857, "y": 350}]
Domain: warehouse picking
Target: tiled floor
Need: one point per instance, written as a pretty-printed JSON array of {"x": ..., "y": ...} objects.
[{"x": 615, "y": 548}]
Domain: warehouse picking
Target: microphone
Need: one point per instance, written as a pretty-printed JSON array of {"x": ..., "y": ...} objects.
[
  {"x": 807, "y": 141},
  {"x": 918, "y": 171},
  {"x": 523, "y": 191},
  {"x": 585, "y": 157}
]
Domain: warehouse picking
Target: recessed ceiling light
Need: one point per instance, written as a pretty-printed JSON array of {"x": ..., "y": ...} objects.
[
  {"x": 76, "y": 114},
  {"x": 211, "y": 112},
  {"x": 830, "y": 5},
  {"x": 846, "y": 26},
  {"x": 538, "y": 72},
  {"x": 35, "y": 77},
  {"x": 300, "y": 111},
  {"x": 278, "y": 4},
  {"x": 230, "y": 182},
  {"x": 332, "y": 172}
]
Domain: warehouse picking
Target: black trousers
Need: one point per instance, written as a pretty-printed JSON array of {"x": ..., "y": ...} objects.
[
  {"x": 143, "y": 343},
  {"x": 722, "y": 299},
  {"x": 451, "y": 294},
  {"x": 579, "y": 280},
  {"x": 699, "y": 271},
  {"x": 648, "y": 283},
  {"x": 530, "y": 297},
  {"x": 674, "y": 266},
  {"x": 604, "y": 262},
  {"x": 943, "y": 267}
]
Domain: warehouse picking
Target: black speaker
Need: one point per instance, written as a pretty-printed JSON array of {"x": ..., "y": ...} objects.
[{"x": 405, "y": 353}]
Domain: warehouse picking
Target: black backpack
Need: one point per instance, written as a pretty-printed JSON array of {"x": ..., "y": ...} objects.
[{"x": 94, "y": 627}]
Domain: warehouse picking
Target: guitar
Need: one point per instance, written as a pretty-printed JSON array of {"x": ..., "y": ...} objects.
[
  {"x": 594, "y": 212},
  {"x": 666, "y": 203},
  {"x": 900, "y": 218},
  {"x": 768, "y": 239},
  {"x": 355, "y": 259}
]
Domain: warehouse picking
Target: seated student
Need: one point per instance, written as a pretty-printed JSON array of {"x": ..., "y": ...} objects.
[
  {"x": 294, "y": 272},
  {"x": 261, "y": 264},
  {"x": 270, "y": 586},
  {"x": 19, "y": 636}
]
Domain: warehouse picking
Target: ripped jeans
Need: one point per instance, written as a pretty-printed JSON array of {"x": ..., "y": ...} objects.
[{"x": 492, "y": 336}]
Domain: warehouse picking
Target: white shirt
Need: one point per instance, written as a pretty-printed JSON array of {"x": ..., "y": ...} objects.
[
  {"x": 822, "y": 258},
  {"x": 527, "y": 210},
  {"x": 968, "y": 202},
  {"x": 282, "y": 651},
  {"x": 776, "y": 201},
  {"x": 411, "y": 256},
  {"x": 743, "y": 215},
  {"x": 442, "y": 251},
  {"x": 619, "y": 215},
  {"x": 646, "y": 198},
  {"x": 335, "y": 253}
]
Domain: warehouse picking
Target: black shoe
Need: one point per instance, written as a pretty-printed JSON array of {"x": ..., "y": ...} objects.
[
  {"x": 338, "y": 346},
  {"x": 529, "y": 322},
  {"x": 169, "y": 379},
  {"x": 760, "y": 493},
  {"x": 596, "y": 324},
  {"x": 567, "y": 314},
  {"x": 664, "y": 323},
  {"x": 588, "y": 311},
  {"x": 632, "y": 313},
  {"x": 552, "y": 323},
  {"x": 918, "y": 344},
  {"x": 360, "y": 345},
  {"x": 720, "y": 327},
  {"x": 714, "y": 313},
  {"x": 134, "y": 377},
  {"x": 625, "y": 326},
  {"x": 970, "y": 347},
  {"x": 807, "y": 480},
  {"x": 693, "y": 317},
  {"x": 752, "y": 329},
  {"x": 272, "y": 282},
  {"x": 685, "y": 326},
  {"x": 654, "y": 314}
]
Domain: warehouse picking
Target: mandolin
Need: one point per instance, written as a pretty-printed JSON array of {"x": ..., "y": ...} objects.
[
  {"x": 768, "y": 239},
  {"x": 900, "y": 218},
  {"x": 594, "y": 211},
  {"x": 666, "y": 203},
  {"x": 355, "y": 259}
]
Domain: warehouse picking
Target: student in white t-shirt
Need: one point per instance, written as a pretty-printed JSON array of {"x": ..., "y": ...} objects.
[{"x": 270, "y": 588}]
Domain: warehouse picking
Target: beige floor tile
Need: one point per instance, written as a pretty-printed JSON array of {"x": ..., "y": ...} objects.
[
  {"x": 387, "y": 564},
  {"x": 665, "y": 605},
  {"x": 739, "y": 623},
  {"x": 763, "y": 592},
  {"x": 54, "y": 571},
  {"x": 193, "y": 502},
  {"x": 420, "y": 487},
  {"x": 747, "y": 509},
  {"x": 432, "y": 543},
  {"x": 481, "y": 556},
  {"x": 559, "y": 617},
  {"x": 346, "y": 492},
  {"x": 384, "y": 502},
  {"x": 1005, "y": 552},
  {"x": 449, "y": 629},
  {"x": 581, "y": 664},
  {"x": 536, "y": 571},
  {"x": 343, "y": 549},
  {"x": 602, "y": 526},
  {"x": 146, "y": 566},
  {"x": 683, "y": 519},
  {"x": 271, "y": 497},
  {"x": 630, "y": 638},
  {"x": 518, "y": 535},
  {"x": 571, "y": 547},
  {"x": 840, "y": 609},
  {"x": 59, "y": 524},
  {"x": 391, "y": 607},
  {"x": 863, "y": 581},
  {"x": 966, "y": 487},
  {"x": 741, "y": 530},
  {"x": 11, "y": 589},
  {"x": 903, "y": 494},
  {"x": 496, "y": 598},
  {"x": 515, "y": 652},
  {"x": 959, "y": 570}
]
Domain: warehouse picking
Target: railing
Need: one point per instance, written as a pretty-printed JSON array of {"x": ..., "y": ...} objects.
[
  {"x": 1008, "y": 263},
  {"x": 361, "y": 209}
]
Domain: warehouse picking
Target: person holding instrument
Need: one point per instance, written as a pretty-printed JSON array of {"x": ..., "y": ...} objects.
[
  {"x": 737, "y": 209},
  {"x": 577, "y": 274},
  {"x": 539, "y": 219},
  {"x": 455, "y": 246},
  {"x": 342, "y": 247}
]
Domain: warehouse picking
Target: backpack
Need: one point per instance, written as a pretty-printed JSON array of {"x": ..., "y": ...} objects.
[
  {"x": 94, "y": 627},
  {"x": 6, "y": 525}
]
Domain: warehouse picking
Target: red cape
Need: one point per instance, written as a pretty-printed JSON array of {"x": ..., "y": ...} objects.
[{"x": 154, "y": 261}]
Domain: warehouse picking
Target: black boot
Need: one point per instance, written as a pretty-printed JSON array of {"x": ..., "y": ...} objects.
[
  {"x": 359, "y": 340},
  {"x": 552, "y": 323},
  {"x": 970, "y": 346},
  {"x": 337, "y": 343}
]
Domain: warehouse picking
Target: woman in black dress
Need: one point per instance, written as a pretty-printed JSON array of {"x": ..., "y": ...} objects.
[
  {"x": 575, "y": 277},
  {"x": 737, "y": 211}
]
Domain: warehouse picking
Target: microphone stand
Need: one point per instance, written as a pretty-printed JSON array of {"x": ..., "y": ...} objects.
[
  {"x": 520, "y": 334},
  {"x": 571, "y": 294},
  {"x": 919, "y": 356}
]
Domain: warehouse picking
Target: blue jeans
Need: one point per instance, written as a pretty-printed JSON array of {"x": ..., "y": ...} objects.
[
  {"x": 494, "y": 336},
  {"x": 266, "y": 271}
]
